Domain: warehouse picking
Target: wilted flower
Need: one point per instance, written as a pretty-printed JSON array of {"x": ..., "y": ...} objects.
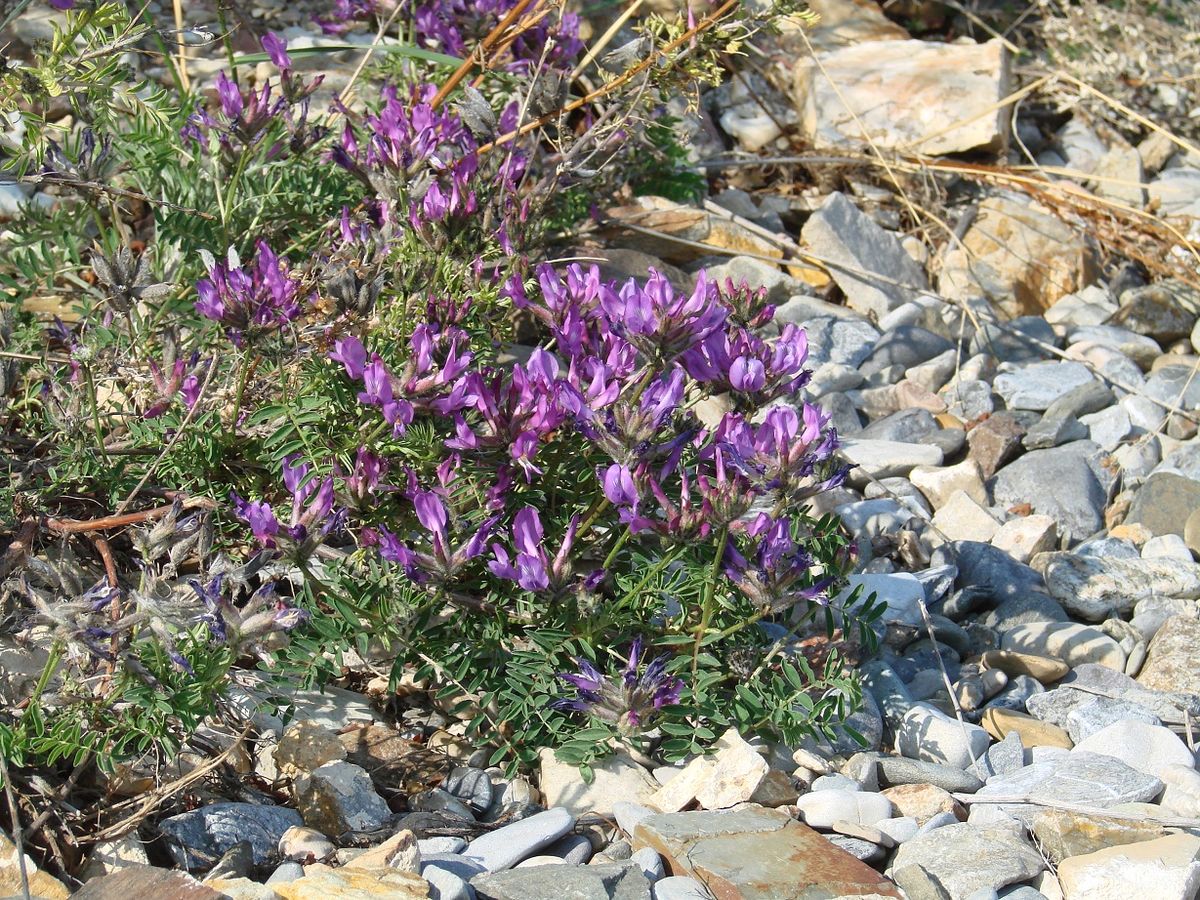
[
  {"x": 127, "y": 279},
  {"x": 248, "y": 625},
  {"x": 630, "y": 700}
]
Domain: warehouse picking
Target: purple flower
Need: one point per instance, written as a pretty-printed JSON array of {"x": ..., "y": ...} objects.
[
  {"x": 368, "y": 472},
  {"x": 260, "y": 517},
  {"x": 740, "y": 361},
  {"x": 176, "y": 382},
  {"x": 276, "y": 48},
  {"x": 778, "y": 573},
  {"x": 790, "y": 452},
  {"x": 531, "y": 566},
  {"x": 437, "y": 560},
  {"x": 632, "y": 700},
  {"x": 248, "y": 300},
  {"x": 618, "y": 485},
  {"x": 659, "y": 322},
  {"x": 350, "y": 352}
]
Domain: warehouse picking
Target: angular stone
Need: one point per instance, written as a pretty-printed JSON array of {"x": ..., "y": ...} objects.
[
  {"x": 1024, "y": 537},
  {"x": 400, "y": 851},
  {"x": 913, "y": 95},
  {"x": 862, "y": 258},
  {"x": 682, "y": 221},
  {"x": 1164, "y": 503},
  {"x": 757, "y": 854},
  {"x": 339, "y": 797},
  {"x": 305, "y": 746},
  {"x": 615, "y": 777},
  {"x": 1018, "y": 257},
  {"x": 619, "y": 881},
  {"x": 994, "y": 441},
  {"x": 43, "y": 884},
  {"x": 1038, "y": 386},
  {"x": 1061, "y": 834},
  {"x": 728, "y": 777},
  {"x": 1087, "y": 779},
  {"x": 1074, "y": 644},
  {"x": 1171, "y": 657},
  {"x": 1165, "y": 311},
  {"x": 922, "y": 801},
  {"x": 392, "y": 759},
  {"x": 883, "y": 459},
  {"x": 320, "y": 882},
  {"x": 1167, "y": 868},
  {"x": 200, "y": 837},
  {"x": 131, "y": 883},
  {"x": 939, "y": 484},
  {"x": 965, "y": 858},
  {"x": 963, "y": 519}
]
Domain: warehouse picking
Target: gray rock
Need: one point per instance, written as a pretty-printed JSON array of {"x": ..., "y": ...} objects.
[
  {"x": 1004, "y": 757},
  {"x": 882, "y": 459},
  {"x": 437, "y": 800},
  {"x": 845, "y": 237},
  {"x": 911, "y": 426},
  {"x": 843, "y": 416},
  {"x": 993, "y": 572},
  {"x": 1071, "y": 778},
  {"x": 472, "y": 786},
  {"x": 897, "y": 770},
  {"x": 1033, "y": 607},
  {"x": 440, "y": 845},
  {"x": 968, "y": 399},
  {"x": 845, "y": 341},
  {"x": 1059, "y": 483},
  {"x": 941, "y": 820},
  {"x": 1095, "y": 588},
  {"x": 928, "y": 734},
  {"x": 1153, "y": 749},
  {"x": 907, "y": 346},
  {"x": 1168, "y": 705},
  {"x": 1016, "y": 693},
  {"x": 1164, "y": 503},
  {"x": 629, "y": 814},
  {"x": 1079, "y": 401},
  {"x": 820, "y": 809},
  {"x": 899, "y": 829},
  {"x": 286, "y": 873},
  {"x": 801, "y": 309},
  {"x": 573, "y": 849},
  {"x": 1165, "y": 311},
  {"x": 339, "y": 797},
  {"x": 1108, "y": 427},
  {"x": 963, "y": 858},
  {"x": 1142, "y": 350},
  {"x": 650, "y": 863},
  {"x": 1091, "y": 306},
  {"x": 445, "y": 885},
  {"x": 1174, "y": 385},
  {"x": 1053, "y": 432},
  {"x": 455, "y": 863},
  {"x": 1038, "y": 385},
  {"x": 612, "y": 881},
  {"x": 858, "y": 848},
  {"x": 834, "y": 781},
  {"x": 779, "y": 285},
  {"x": 200, "y": 837},
  {"x": 507, "y": 846},
  {"x": 1014, "y": 342},
  {"x": 1082, "y": 714}
]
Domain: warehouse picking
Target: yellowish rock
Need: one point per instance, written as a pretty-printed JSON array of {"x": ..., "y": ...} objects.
[
  {"x": 1034, "y": 732},
  {"x": 923, "y": 801},
  {"x": 1010, "y": 662},
  {"x": 400, "y": 851},
  {"x": 41, "y": 884},
  {"x": 320, "y": 882},
  {"x": 1167, "y": 867},
  {"x": 243, "y": 889}
]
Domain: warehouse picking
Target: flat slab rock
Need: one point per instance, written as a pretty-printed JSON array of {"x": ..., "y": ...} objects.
[
  {"x": 755, "y": 853},
  {"x": 612, "y": 881},
  {"x": 145, "y": 881}
]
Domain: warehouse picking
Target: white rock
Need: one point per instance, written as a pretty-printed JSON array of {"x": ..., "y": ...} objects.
[
  {"x": 1181, "y": 796},
  {"x": 901, "y": 592},
  {"x": 1038, "y": 385},
  {"x": 1140, "y": 745},
  {"x": 912, "y": 95},
  {"x": 929, "y": 734},
  {"x": 1165, "y": 869},
  {"x": 1167, "y": 546},
  {"x": 1024, "y": 536},
  {"x": 939, "y": 483},
  {"x": 883, "y": 459},
  {"x": 821, "y": 809},
  {"x": 1074, "y": 644},
  {"x": 724, "y": 779},
  {"x": 616, "y": 777},
  {"x": 963, "y": 519}
]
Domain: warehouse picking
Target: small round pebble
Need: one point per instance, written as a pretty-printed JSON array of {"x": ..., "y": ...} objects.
[{"x": 299, "y": 843}]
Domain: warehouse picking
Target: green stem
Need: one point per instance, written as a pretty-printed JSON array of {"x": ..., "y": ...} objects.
[
  {"x": 91, "y": 386},
  {"x": 612, "y": 554},
  {"x": 710, "y": 590},
  {"x": 246, "y": 369}
]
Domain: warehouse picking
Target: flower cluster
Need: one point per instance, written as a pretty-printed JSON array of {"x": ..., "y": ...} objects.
[
  {"x": 312, "y": 513},
  {"x": 778, "y": 574},
  {"x": 248, "y": 300},
  {"x": 632, "y": 700}
]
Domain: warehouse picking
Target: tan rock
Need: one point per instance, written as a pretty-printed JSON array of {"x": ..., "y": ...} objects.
[
  {"x": 243, "y": 889},
  {"x": 615, "y": 777},
  {"x": 305, "y": 746},
  {"x": 963, "y": 519},
  {"x": 686, "y": 222},
  {"x": 1034, "y": 732},
  {"x": 1134, "y": 532},
  {"x": 847, "y": 22},
  {"x": 1171, "y": 657},
  {"x": 1020, "y": 258},
  {"x": 907, "y": 95},
  {"x": 320, "y": 882},
  {"x": 41, "y": 884},
  {"x": 1061, "y": 834},
  {"x": 730, "y": 776},
  {"x": 1168, "y": 867},
  {"x": 923, "y": 801},
  {"x": 1043, "y": 668},
  {"x": 133, "y": 883},
  {"x": 400, "y": 851}
]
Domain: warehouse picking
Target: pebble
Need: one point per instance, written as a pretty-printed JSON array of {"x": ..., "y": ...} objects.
[
  {"x": 1059, "y": 483},
  {"x": 894, "y": 770},
  {"x": 922, "y": 801},
  {"x": 650, "y": 863},
  {"x": 1045, "y": 669},
  {"x": 1034, "y": 732},
  {"x": 338, "y": 797},
  {"x": 300, "y": 843},
  {"x": 929, "y": 734},
  {"x": 471, "y": 786},
  {"x": 821, "y": 809},
  {"x": 1071, "y": 642},
  {"x": 1037, "y": 386},
  {"x": 965, "y": 858}
]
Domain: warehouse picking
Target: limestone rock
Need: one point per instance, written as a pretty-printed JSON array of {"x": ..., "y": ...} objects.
[
  {"x": 320, "y": 882},
  {"x": 965, "y": 858},
  {"x": 616, "y": 777},
  {"x": 909, "y": 95},
  {"x": 1018, "y": 257},
  {"x": 1167, "y": 868}
]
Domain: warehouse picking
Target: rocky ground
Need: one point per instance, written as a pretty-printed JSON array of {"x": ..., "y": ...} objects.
[{"x": 1019, "y": 396}]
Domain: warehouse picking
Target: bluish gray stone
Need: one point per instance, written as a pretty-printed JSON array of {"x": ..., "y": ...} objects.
[
  {"x": 894, "y": 770},
  {"x": 993, "y": 572},
  {"x": 965, "y": 858},
  {"x": 200, "y": 837},
  {"x": 910, "y": 426},
  {"x": 650, "y": 863},
  {"x": 680, "y": 887},
  {"x": 857, "y": 847},
  {"x": 574, "y": 849},
  {"x": 472, "y": 786},
  {"x": 1059, "y": 483},
  {"x": 440, "y": 845},
  {"x": 907, "y": 346},
  {"x": 1038, "y": 385},
  {"x": 286, "y": 872},
  {"x": 629, "y": 814},
  {"x": 460, "y": 866},
  {"x": 845, "y": 341},
  {"x": 1032, "y": 607},
  {"x": 507, "y": 846},
  {"x": 445, "y": 885},
  {"x": 1016, "y": 693},
  {"x": 612, "y": 881}
]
